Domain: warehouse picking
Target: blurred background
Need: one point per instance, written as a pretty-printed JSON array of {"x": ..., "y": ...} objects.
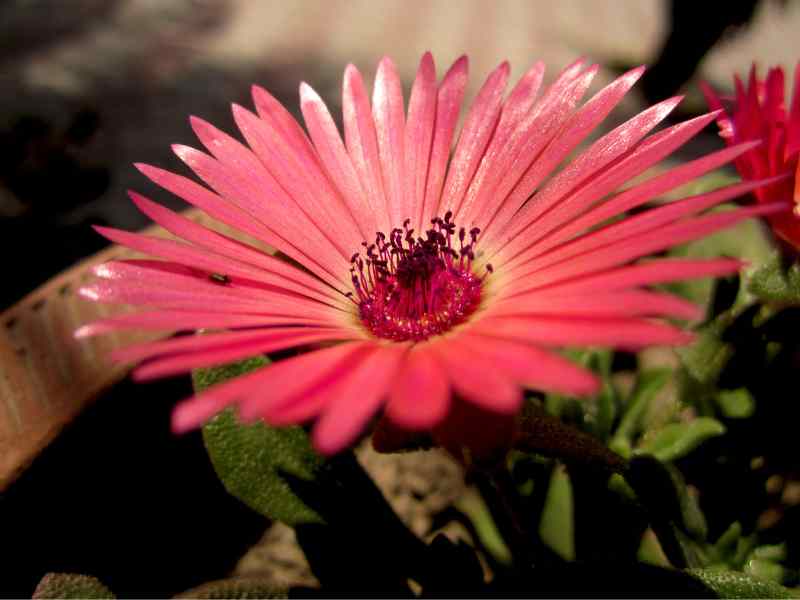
[{"x": 91, "y": 86}]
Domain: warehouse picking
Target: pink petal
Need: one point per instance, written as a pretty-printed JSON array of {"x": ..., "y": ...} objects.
[
  {"x": 389, "y": 115},
  {"x": 630, "y": 334},
  {"x": 478, "y": 127},
  {"x": 448, "y": 107},
  {"x": 419, "y": 136},
  {"x": 253, "y": 191},
  {"x": 158, "y": 283},
  {"x": 190, "y": 231},
  {"x": 334, "y": 157},
  {"x": 262, "y": 342},
  {"x": 345, "y": 416},
  {"x": 649, "y": 273},
  {"x": 420, "y": 394},
  {"x": 264, "y": 387},
  {"x": 636, "y": 162},
  {"x": 209, "y": 202},
  {"x": 630, "y": 198},
  {"x": 180, "y": 320},
  {"x": 300, "y": 175},
  {"x": 641, "y": 245},
  {"x": 652, "y": 220},
  {"x": 362, "y": 144},
  {"x": 212, "y": 341},
  {"x": 197, "y": 258},
  {"x": 494, "y": 163},
  {"x": 532, "y": 367},
  {"x": 525, "y": 162},
  {"x": 476, "y": 381},
  {"x": 549, "y": 209},
  {"x": 631, "y": 303}
]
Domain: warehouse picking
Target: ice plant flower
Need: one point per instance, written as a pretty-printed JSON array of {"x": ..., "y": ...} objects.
[
  {"x": 407, "y": 279},
  {"x": 758, "y": 112}
]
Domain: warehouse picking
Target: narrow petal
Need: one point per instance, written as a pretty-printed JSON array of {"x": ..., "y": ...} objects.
[
  {"x": 419, "y": 136},
  {"x": 529, "y": 157},
  {"x": 300, "y": 175},
  {"x": 211, "y": 240},
  {"x": 629, "y": 303},
  {"x": 264, "y": 387},
  {"x": 652, "y": 220},
  {"x": 420, "y": 393},
  {"x": 448, "y": 107},
  {"x": 334, "y": 157},
  {"x": 641, "y": 245},
  {"x": 362, "y": 144},
  {"x": 170, "y": 285},
  {"x": 209, "y": 202},
  {"x": 200, "y": 259},
  {"x": 345, "y": 417},
  {"x": 478, "y": 127},
  {"x": 389, "y": 115},
  {"x": 250, "y": 189},
  {"x": 183, "y": 345},
  {"x": 262, "y": 342},
  {"x": 549, "y": 209},
  {"x": 533, "y": 367},
  {"x": 628, "y": 334},
  {"x": 182, "y": 320},
  {"x": 649, "y": 273},
  {"x": 627, "y": 200},
  {"x": 476, "y": 381},
  {"x": 495, "y": 161}
]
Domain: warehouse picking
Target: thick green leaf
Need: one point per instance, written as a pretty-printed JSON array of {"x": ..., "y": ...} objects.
[
  {"x": 765, "y": 569},
  {"x": 237, "y": 588},
  {"x": 776, "y": 281},
  {"x": 67, "y": 585},
  {"x": 472, "y": 504},
  {"x": 736, "y": 404},
  {"x": 253, "y": 461},
  {"x": 708, "y": 355},
  {"x": 676, "y": 440},
  {"x": 731, "y": 584},
  {"x": 557, "y": 523},
  {"x": 648, "y": 385}
]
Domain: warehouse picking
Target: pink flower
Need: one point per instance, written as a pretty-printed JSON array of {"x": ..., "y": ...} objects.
[
  {"x": 486, "y": 261},
  {"x": 759, "y": 113}
]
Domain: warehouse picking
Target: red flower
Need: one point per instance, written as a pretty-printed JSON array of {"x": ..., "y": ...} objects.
[
  {"x": 484, "y": 263},
  {"x": 759, "y": 113}
]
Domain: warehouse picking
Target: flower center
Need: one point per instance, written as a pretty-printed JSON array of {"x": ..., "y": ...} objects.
[{"x": 409, "y": 288}]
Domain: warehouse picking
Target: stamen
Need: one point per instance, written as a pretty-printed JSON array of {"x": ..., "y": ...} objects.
[{"x": 413, "y": 288}]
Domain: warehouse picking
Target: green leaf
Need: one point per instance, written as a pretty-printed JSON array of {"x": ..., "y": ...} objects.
[
  {"x": 253, "y": 461},
  {"x": 648, "y": 384},
  {"x": 557, "y": 524},
  {"x": 773, "y": 552},
  {"x": 765, "y": 569},
  {"x": 725, "y": 546},
  {"x": 776, "y": 281},
  {"x": 67, "y": 585},
  {"x": 236, "y": 588},
  {"x": 472, "y": 504},
  {"x": 708, "y": 355},
  {"x": 736, "y": 404},
  {"x": 676, "y": 440},
  {"x": 731, "y": 584}
]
